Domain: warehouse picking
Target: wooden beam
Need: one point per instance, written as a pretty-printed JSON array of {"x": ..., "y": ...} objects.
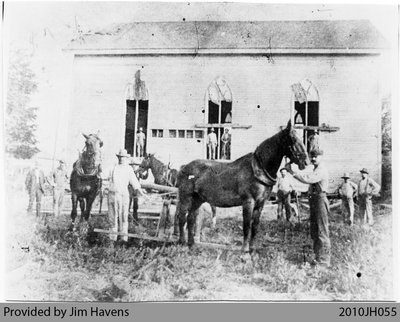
[
  {"x": 159, "y": 187},
  {"x": 318, "y": 128},
  {"x": 231, "y": 125},
  {"x": 171, "y": 239}
]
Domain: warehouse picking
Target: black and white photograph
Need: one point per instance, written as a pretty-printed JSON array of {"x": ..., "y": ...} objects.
[{"x": 199, "y": 151}]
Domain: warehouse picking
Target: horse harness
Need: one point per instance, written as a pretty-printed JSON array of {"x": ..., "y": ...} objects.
[{"x": 260, "y": 173}]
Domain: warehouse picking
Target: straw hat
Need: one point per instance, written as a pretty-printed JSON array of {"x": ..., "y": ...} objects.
[
  {"x": 346, "y": 175},
  {"x": 123, "y": 154}
]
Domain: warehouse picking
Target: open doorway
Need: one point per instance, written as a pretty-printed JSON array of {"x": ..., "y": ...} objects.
[
  {"x": 312, "y": 117},
  {"x": 219, "y": 119},
  {"x": 136, "y": 119},
  {"x": 306, "y": 112},
  {"x": 132, "y": 128}
]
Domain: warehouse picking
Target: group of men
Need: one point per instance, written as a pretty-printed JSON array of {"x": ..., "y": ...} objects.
[
  {"x": 319, "y": 205},
  {"x": 212, "y": 144},
  {"x": 122, "y": 176},
  {"x": 35, "y": 185}
]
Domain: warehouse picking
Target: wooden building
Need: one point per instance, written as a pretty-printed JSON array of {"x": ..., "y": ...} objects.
[{"x": 176, "y": 80}]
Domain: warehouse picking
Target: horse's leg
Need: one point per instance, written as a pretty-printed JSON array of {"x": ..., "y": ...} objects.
[
  {"x": 184, "y": 204},
  {"x": 214, "y": 217},
  {"x": 135, "y": 208},
  {"x": 74, "y": 213},
  {"x": 89, "y": 204},
  {"x": 256, "y": 220},
  {"x": 82, "y": 206},
  {"x": 191, "y": 222},
  {"x": 248, "y": 207}
]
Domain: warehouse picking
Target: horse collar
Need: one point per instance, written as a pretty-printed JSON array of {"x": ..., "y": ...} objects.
[{"x": 260, "y": 173}]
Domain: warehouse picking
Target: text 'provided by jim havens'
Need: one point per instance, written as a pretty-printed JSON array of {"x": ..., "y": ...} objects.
[{"x": 57, "y": 312}]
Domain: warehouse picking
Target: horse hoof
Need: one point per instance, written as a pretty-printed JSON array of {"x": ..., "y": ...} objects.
[
  {"x": 245, "y": 257},
  {"x": 181, "y": 241},
  {"x": 245, "y": 249}
]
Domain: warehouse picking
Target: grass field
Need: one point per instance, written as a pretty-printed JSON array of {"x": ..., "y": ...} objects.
[{"x": 62, "y": 266}]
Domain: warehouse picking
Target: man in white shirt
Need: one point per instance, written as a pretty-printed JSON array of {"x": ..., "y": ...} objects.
[
  {"x": 319, "y": 207},
  {"x": 118, "y": 196},
  {"x": 285, "y": 187},
  {"x": 347, "y": 191},
  {"x": 212, "y": 143},
  {"x": 35, "y": 185},
  {"x": 367, "y": 188}
]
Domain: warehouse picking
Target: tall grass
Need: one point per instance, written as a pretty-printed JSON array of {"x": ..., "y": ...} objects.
[{"x": 64, "y": 266}]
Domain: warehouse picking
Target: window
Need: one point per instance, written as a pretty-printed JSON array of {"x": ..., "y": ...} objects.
[
  {"x": 157, "y": 133},
  {"x": 172, "y": 133},
  {"x": 198, "y": 134},
  {"x": 189, "y": 134},
  {"x": 181, "y": 133}
]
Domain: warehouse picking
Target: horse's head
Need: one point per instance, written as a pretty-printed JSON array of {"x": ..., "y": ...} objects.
[
  {"x": 294, "y": 147},
  {"x": 146, "y": 161},
  {"x": 93, "y": 143}
]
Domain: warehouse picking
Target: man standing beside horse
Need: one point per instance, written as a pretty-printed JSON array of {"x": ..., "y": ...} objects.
[
  {"x": 121, "y": 177},
  {"x": 319, "y": 207}
]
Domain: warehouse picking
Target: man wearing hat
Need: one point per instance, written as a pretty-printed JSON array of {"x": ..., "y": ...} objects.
[
  {"x": 347, "y": 191},
  {"x": 212, "y": 144},
  {"x": 59, "y": 181},
  {"x": 367, "y": 188},
  {"x": 319, "y": 207},
  {"x": 140, "y": 142},
  {"x": 121, "y": 177},
  {"x": 285, "y": 187},
  {"x": 35, "y": 184}
]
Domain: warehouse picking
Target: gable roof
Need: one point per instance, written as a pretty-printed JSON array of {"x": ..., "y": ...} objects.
[{"x": 234, "y": 36}]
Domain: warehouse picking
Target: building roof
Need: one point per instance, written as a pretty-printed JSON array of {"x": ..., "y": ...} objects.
[{"x": 243, "y": 36}]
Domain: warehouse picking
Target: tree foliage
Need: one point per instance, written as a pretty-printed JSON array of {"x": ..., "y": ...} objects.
[
  {"x": 386, "y": 126},
  {"x": 20, "y": 118}
]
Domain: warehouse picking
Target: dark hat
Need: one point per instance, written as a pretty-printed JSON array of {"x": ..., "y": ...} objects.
[
  {"x": 346, "y": 175},
  {"x": 316, "y": 152},
  {"x": 283, "y": 169},
  {"x": 364, "y": 170}
]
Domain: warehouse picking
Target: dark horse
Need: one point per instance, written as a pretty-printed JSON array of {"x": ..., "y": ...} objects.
[
  {"x": 164, "y": 175},
  {"x": 247, "y": 181},
  {"x": 85, "y": 179}
]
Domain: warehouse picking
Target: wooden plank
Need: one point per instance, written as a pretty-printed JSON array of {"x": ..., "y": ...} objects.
[
  {"x": 171, "y": 239},
  {"x": 139, "y": 236},
  {"x": 231, "y": 125},
  {"x": 318, "y": 128},
  {"x": 158, "y": 187}
]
